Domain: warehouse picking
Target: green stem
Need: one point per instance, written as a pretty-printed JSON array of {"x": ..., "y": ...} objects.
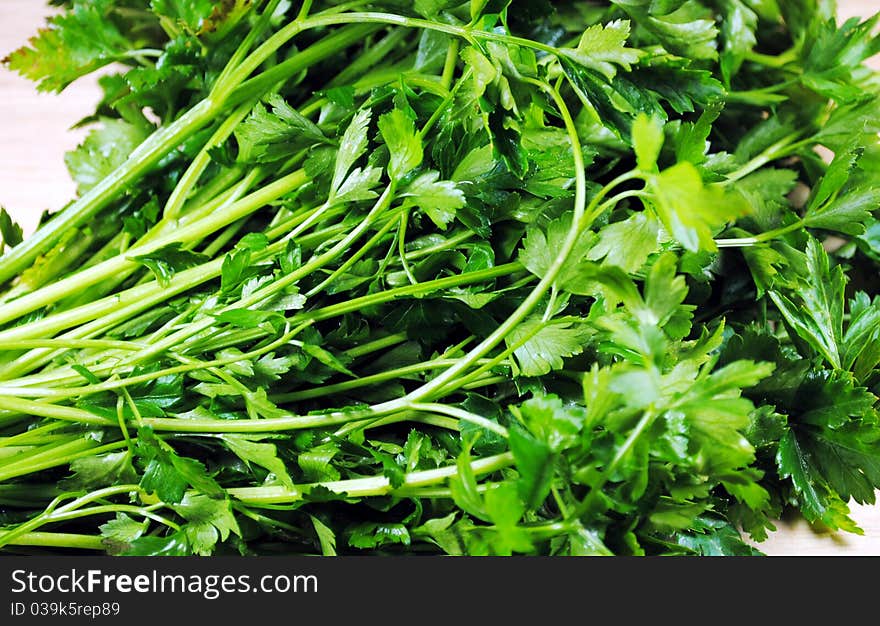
[
  {"x": 781, "y": 148},
  {"x": 254, "y": 33},
  {"x": 450, "y": 63},
  {"x": 71, "y": 444},
  {"x": 303, "y": 59},
  {"x": 73, "y": 509},
  {"x": 121, "y": 383},
  {"x": 263, "y": 293},
  {"x": 144, "y": 157},
  {"x": 596, "y": 488},
  {"x": 167, "y": 138},
  {"x": 197, "y": 166},
  {"x": 189, "y": 232},
  {"x": 107, "y": 313},
  {"x": 328, "y": 390},
  {"x": 419, "y": 290},
  {"x": 55, "y": 459},
  {"x": 460, "y": 414},
  {"x": 110, "y": 509},
  {"x": 464, "y": 32},
  {"x": 446, "y": 423},
  {"x": 193, "y": 277},
  {"x": 376, "y": 345},
  {"x": 369, "y": 57},
  {"x": 58, "y": 540},
  {"x": 354, "y": 258},
  {"x": 37, "y": 434},
  {"x": 743, "y": 242},
  {"x": 371, "y": 486},
  {"x": 427, "y": 390},
  {"x": 401, "y": 248},
  {"x": 777, "y": 61},
  {"x": 59, "y": 343}
]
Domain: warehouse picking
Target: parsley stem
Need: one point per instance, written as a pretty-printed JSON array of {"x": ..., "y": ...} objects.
[
  {"x": 304, "y": 9},
  {"x": 401, "y": 247},
  {"x": 528, "y": 304},
  {"x": 499, "y": 358},
  {"x": 488, "y": 381},
  {"x": 773, "y": 61},
  {"x": 141, "y": 299},
  {"x": 106, "y": 313},
  {"x": 254, "y": 33},
  {"x": 71, "y": 444},
  {"x": 269, "y": 78},
  {"x": 58, "y": 540},
  {"x": 33, "y": 435},
  {"x": 360, "y": 67},
  {"x": 461, "y": 414},
  {"x": 761, "y": 237},
  {"x": 112, "y": 266},
  {"x": 466, "y": 32},
  {"x": 120, "y": 418},
  {"x": 449, "y": 63},
  {"x": 420, "y": 289},
  {"x": 355, "y": 257},
  {"x": 371, "y": 486},
  {"x": 164, "y": 140},
  {"x": 104, "y": 509},
  {"x": 596, "y": 207},
  {"x": 197, "y": 166},
  {"x": 282, "y": 282},
  {"x": 645, "y": 420},
  {"x": 121, "y": 383},
  {"x": 191, "y": 425},
  {"x": 779, "y": 149},
  {"x": 79, "y": 501},
  {"x": 448, "y": 243},
  {"x": 408, "y": 370},
  {"x": 60, "y": 456},
  {"x": 376, "y": 345},
  {"x": 439, "y": 421},
  {"x": 327, "y": 390},
  {"x": 60, "y": 343},
  {"x": 73, "y": 510},
  {"x": 142, "y": 52}
]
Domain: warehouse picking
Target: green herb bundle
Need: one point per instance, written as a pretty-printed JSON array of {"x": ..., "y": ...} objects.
[{"x": 487, "y": 278}]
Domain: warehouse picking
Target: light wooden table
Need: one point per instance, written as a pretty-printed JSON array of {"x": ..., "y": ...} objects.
[{"x": 35, "y": 132}]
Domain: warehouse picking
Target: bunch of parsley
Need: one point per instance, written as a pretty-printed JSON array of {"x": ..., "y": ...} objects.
[{"x": 489, "y": 277}]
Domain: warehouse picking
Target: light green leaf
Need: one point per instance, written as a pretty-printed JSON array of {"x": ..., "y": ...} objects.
[
  {"x": 404, "y": 144},
  {"x": 815, "y": 500},
  {"x": 352, "y": 145},
  {"x": 118, "y": 534},
  {"x": 439, "y": 199},
  {"x": 358, "y": 185},
  {"x": 105, "y": 148},
  {"x": 627, "y": 244},
  {"x": 815, "y": 308},
  {"x": 603, "y": 46},
  {"x": 647, "y": 137},
  {"x": 209, "y": 520},
  {"x": 691, "y": 211},
  {"x": 542, "y": 246},
  {"x": 326, "y": 536},
  {"x": 250, "y": 450},
  {"x": 542, "y": 346},
  {"x": 846, "y": 214}
]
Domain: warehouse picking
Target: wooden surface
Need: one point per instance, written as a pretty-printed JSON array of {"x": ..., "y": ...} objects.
[{"x": 35, "y": 131}]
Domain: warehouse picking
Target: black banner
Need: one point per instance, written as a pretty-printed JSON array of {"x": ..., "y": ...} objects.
[{"x": 36, "y": 589}]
